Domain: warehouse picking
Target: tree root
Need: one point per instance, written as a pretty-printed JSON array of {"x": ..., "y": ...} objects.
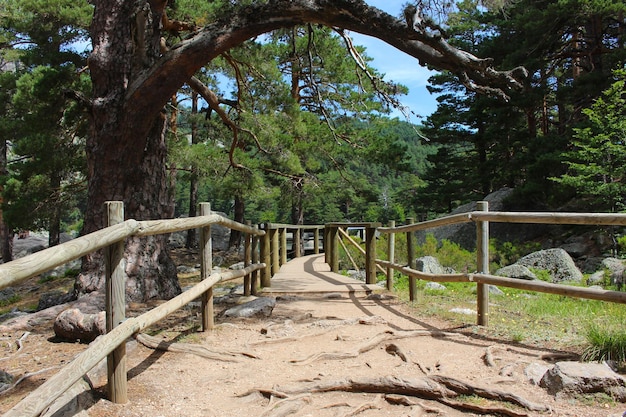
[
  {"x": 26, "y": 376},
  {"x": 437, "y": 388},
  {"x": 372, "y": 343},
  {"x": 159, "y": 344}
]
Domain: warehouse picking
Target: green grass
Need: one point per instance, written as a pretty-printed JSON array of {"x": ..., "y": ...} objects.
[
  {"x": 518, "y": 315},
  {"x": 605, "y": 343},
  {"x": 521, "y": 316}
]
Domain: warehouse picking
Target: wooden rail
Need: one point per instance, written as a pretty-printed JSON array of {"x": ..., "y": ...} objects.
[
  {"x": 38, "y": 400},
  {"x": 112, "y": 345},
  {"x": 482, "y": 217}
]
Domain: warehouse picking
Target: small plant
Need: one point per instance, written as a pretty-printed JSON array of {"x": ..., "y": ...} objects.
[
  {"x": 542, "y": 274},
  {"x": 605, "y": 344}
]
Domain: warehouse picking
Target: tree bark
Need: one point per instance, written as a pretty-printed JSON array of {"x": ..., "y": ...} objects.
[{"x": 123, "y": 164}]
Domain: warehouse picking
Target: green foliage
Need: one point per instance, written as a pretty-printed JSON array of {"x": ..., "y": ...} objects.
[
  {"x": 605, "y": 344},
  {"x": 507, "y": 253},
  {"x": 448, "y": 253},
  {"x": 598, "y": 163}
]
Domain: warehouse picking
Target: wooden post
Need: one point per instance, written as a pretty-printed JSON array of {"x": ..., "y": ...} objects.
[
  {"x": 247, "y": 259},
  {"x": 333, "y": 248},
  {"x": 206, "y": 267},
  {"x": 115, "y": 298},
  {"x": 370, "y": 254},
  {"x": 391, "y": 251},
  {"x": 316, "y": 243},
  {"x": 254, "y": 278},
  {"x": 266, "y": 250},
  {"x": 327, "y": 244},
  {"x": 283, "y": 245},
  {"x": 482, "y": 264},
  {"x": 297, "y": 243},
  {"x": 410, "y": 254},
  {"x": 275, "y": 250}
]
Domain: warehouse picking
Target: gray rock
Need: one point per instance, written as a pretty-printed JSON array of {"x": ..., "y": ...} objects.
[
  {"x": 428, "y": 264},
  {"x": 493, "y": 290},
  {"x": 516, "y": 271},
  {"x": 616, "y": 269},
  {"x": 596, "y": 278},
  {"x": 583, "y": 378},
  {"x": 465, "y": 234},
  {"x": 535, "y": 371},
  {"x": 466, "y": 311},
  {"x": 261, "y": 307},
  {"x": 556, "y": 261},
  {"x": 435, "y": 286}
]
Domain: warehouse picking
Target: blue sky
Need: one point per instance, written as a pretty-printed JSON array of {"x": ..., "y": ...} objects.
[{"x": 398, "y": 66}]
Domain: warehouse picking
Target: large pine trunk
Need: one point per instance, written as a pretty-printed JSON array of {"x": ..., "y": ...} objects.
[{"x": 125, "y": 38}]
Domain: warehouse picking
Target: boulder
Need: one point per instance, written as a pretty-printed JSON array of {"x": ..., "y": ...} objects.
[
  {"x": 464, "y": 234},
  {"x": 429, "y": 264},
  {"x": 516, "y": 271},
  {"x": 571, "y": 378},
  {"x": 435, "y": 286},
  {"x": 72, "y": 324},
  {"x": 556, "y": 261},
  {"x": 616, "y": 270},
  {"x": 261, "y": 307}
]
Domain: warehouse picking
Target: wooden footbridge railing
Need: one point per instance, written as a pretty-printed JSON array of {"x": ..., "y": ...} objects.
[{"x": 266, "y": 248}]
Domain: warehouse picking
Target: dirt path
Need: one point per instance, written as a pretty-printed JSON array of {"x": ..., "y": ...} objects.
[{"x": 277, "y": 355}]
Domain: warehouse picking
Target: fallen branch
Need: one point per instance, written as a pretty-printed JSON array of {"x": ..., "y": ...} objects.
[
  {"x": 159, "y": 344},
  {"x": 370, "y": 405}
]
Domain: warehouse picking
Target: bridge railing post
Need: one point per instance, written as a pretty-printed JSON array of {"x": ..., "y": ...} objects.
[
  {"x": 266, "y": 249},
  {"x": 482, "y": 265},
  {"x": 370, "y": 253},
  {"x": 333, "y": 247},
  {"x": 275, "y": 251},
  {"x": 115, "y": 299},
  {"x": 316, "y": 243},
  {"x": 254, "y": 278},
  {"x": 247, "y": 260},
  {"x": 297, "y": 243},
  {"x": 391, "y": 252},
  {"x": 283, "y": 245},
  {"x": 410, "y": 254}
]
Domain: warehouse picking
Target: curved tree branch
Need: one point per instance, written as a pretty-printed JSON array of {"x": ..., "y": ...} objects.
[{"x": 150, "y": 91}]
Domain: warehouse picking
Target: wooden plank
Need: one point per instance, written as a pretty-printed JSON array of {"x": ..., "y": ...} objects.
[{"x": 391, "y": 251}]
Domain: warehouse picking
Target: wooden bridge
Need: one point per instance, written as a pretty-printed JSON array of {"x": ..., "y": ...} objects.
[{"x": 311, "y": 275}]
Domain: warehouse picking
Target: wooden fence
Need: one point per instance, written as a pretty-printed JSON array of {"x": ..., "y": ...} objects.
[
  {"x": 112, "y": 345},
  {"x": 265, "y": 250},
  {"x": 482, "y": 217}
]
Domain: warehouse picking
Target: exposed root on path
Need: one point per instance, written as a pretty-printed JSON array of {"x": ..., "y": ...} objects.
[
  {"x": 373, "y": 343},
  {"x": 198, "y": 350},
  {"x": 8, "y": 388},
  {"x": 443, "y": 389}
]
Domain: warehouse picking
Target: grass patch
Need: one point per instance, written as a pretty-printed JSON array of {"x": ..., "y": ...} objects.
[
  {"x": 521, "y": 316},
  {"x": 605, "y": 343}
]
